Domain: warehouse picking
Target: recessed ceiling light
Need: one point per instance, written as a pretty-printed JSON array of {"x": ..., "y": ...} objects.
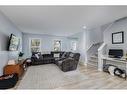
[{"x": 84, "y": 27}]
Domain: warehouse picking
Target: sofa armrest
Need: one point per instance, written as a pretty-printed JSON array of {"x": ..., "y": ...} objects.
[
  {"x": 33, "y": 58},
  {"x": 69, "y": 61},
  {"x": 68, "y": 64}
]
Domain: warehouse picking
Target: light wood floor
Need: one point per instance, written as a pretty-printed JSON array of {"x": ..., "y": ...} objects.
[{"x": 95, "y": 80}]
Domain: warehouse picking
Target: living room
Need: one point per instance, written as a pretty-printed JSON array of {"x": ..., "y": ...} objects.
[{"x": 63, "y": 32}]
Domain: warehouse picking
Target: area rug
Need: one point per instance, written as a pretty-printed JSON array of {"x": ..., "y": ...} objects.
[{"x": 49, "y": 76}]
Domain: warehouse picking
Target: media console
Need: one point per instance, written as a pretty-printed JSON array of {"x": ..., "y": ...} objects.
[{"x": 122, "y": 61}]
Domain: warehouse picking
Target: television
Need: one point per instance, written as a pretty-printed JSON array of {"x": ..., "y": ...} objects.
[
  {"x": 13, "y": 43},
  {"x": 115, "y": 53}
]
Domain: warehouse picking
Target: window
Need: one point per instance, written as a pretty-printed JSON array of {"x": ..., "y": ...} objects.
[
  {"x": 74, "y": 46},
  {"x": 35, "y": 45},
  {"x": 57, "y": 45}
]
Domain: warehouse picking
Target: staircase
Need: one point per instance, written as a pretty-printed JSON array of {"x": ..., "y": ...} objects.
[
  {"x": 93, "y": 54},
  {"x": 93, "y": 60}
]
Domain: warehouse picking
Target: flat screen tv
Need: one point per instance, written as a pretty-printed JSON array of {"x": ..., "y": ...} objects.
[
  {"x": 115, "y": 53},
  {"x": 13, "y": 43}
]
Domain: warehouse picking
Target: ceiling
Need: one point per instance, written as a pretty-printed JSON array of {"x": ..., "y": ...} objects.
[{"x": 61, "y": 20}]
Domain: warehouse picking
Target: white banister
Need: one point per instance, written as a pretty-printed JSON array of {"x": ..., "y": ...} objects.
[
  {"x": 92, "y": 45},
  {"x": 101, "y": 47},
  {"x": 101, "y": 52},
  {"x": 89, "y": 47},
  {"x": 91, "y": 50}
]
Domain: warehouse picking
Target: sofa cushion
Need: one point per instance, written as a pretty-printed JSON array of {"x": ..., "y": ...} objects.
[
  {"x": 59, "y": 63},
  {"x": 71, "y": 55},
  {"x": 47, "y": 55},
  {"x": 67, "y": 54},
  {"x": 56, "y": 55},
  {"x": 57, "y": 52}
]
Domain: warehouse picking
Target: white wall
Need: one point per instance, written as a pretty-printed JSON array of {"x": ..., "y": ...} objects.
[
  {"x": 47, "y": 43},
  {"x": 116, "y": 27},
  {"x": 6, "y": 28},
  {"x": 94, "y": 35}
]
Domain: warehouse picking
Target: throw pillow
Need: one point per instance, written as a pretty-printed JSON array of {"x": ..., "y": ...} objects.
[
  {"x": 57, "y": 55},
  {"x": 71, "y": 55},
  {"x": 37, "y": 56},
  {"x": 63, "y": 55}
]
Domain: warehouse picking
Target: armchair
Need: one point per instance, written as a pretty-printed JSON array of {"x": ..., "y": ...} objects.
[{"x": 70, "y": 63}]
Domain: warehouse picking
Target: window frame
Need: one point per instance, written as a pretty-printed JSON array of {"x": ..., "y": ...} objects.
[
  {"x": 30, "y": 45},
  {"x": 72, "y": 48},
  {"x": 54, "y": 44}
]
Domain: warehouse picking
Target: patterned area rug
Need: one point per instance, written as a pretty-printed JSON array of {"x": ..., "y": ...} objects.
[{"x": 49, "y": 77}]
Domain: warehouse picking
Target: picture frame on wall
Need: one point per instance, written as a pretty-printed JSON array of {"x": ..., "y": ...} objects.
[{"x": 118, "y": 37}]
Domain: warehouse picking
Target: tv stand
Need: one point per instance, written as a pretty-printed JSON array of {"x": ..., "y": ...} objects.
[{"x": 118, "y": 60}]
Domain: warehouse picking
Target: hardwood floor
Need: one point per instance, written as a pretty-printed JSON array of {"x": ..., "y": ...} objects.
[{"x": 97, "y": 80}]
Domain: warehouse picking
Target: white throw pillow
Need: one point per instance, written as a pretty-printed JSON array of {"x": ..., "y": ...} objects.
[
  {"x": 71, "y": 55},
  {"x": 57, "y": 55},
  {"x": 37, "y": 56}
]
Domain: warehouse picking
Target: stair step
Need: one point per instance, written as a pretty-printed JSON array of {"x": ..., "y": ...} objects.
[
  {"x": 91, "y": 60},
  {"x": 94, "y": 57},
  {"x": 93, "y": 64}
]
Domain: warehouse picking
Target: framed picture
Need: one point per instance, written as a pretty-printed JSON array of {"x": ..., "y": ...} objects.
[
  {"x": 118, "y": 37},
  {"x": 57, "y": 45}
]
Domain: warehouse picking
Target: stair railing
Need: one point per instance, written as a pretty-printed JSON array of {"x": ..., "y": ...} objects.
[
  {"x": 93, "y": 44},
  {"x": 88, "y": 51},
  {"x": 101, "y": 52}
]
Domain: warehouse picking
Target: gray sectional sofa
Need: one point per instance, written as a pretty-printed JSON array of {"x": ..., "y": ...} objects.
[{"x": 66, "y": 61}]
